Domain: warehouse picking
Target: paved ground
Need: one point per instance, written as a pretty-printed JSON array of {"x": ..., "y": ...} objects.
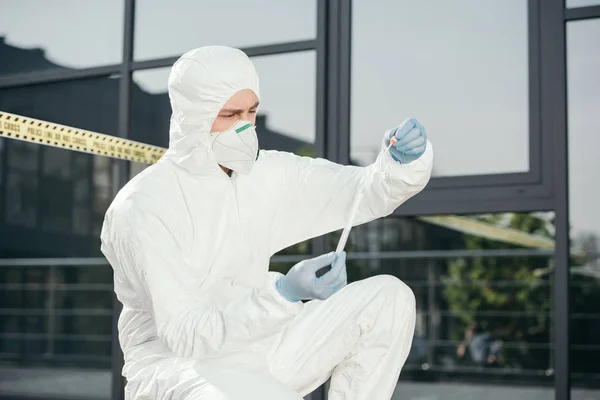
[
  {"x": 452, "y": 391},
  {"x": 71, "y": 384},
  {"x": 64, "y": 384}
]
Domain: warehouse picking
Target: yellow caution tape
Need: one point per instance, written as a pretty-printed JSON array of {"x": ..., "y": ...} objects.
[
  {"x": 36, "y": 131},
  {"x": 489, "y": 231},
  {"x": 42, "y": 132}
]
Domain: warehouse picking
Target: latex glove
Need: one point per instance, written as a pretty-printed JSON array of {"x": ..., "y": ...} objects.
[
  {"x": 411, "y": 141},
  {"x": 302, "y": 283}
]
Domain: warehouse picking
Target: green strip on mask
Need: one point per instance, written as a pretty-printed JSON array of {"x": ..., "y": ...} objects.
[{"x": 243, "y": 128}]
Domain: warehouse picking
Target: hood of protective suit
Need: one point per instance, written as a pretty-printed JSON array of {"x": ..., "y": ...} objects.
[{"x": 200, "y": 84}]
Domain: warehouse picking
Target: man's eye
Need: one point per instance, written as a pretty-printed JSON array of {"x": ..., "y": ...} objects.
[
  {"x": 226, "y": 115},
  {"x": 252, "y": 111}
]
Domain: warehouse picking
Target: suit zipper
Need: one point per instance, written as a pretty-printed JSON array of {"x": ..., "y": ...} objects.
[{"x": 241, "y": 243}]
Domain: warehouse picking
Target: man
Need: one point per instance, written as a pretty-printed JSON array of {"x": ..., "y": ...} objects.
[
  {"x": 190, "y": 240},
  {"x": 483, "y": 349}
]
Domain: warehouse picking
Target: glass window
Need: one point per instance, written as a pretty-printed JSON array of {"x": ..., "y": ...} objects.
[
  {"x": 88, "y": 104},
  {"x": 41, "y": 35},
  {"x": 56, "y": 163},
  {"x": 150, "y": 107},
  {"x": 82, "y": 193},
  {"x": 103, "y": 191},
  {"x": 57, "y": 319},
  {"x": 583, "y": 80},
  {"x": 2, "y": 178},
  {"x": 56, "y": 190},
  {"x": 286, "y": 118},
  {"x": 582, "y": 3},
  {"x": 56, "y": 205},
  {"x": 81, "y": 220},
  {"x": 483, "y": 286},
  {"x": 21, "y": 199},
  {"x": 237, "y": 23},
  {"x": 459, "y": 67},
  {"x": 23, "y": 156}
]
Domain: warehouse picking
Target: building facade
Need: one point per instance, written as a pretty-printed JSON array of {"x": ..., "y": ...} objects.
[{"x": 501, "y": 249}]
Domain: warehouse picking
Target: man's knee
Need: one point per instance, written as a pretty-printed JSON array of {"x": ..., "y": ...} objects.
[
  {"x": 392, "y": 307},
  {"x": 394, "y": 287},
  {"x": 395, "y": 297}
]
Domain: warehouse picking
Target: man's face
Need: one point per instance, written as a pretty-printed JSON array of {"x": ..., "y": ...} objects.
[{"x": 241, "y": 106}]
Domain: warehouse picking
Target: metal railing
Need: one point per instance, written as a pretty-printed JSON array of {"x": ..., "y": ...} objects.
[{"x": 52, "y": 310}]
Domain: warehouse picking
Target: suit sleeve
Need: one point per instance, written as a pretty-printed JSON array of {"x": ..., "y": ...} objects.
[
  {"x": 317, "y": 195},
  {"x": 188, "y": 321}
]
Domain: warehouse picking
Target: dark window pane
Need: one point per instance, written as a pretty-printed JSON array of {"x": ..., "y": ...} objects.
[
  {"x": 227, "y": 22},
  {"x": 286, "y": 119},
  {"x": 2, "y": 161},
  {"x": 52, "y": 319},
  {"x": 55, "y": 327},
  {"x": 459, "y": 67},
  {"x": 583, "y": 79},
  {"x": 81, "y": 164},
  {"x": 484, "y": 299},
  {"x": 90, "y": 104},
  {"x": 81, "y": 191},
  {"x": 56, "y": 163},
  {"x": 86, "y": 103},
  {"x": 22, "y": 199},
  {"x": 2, "y": 174},
  {"x": 81, "y": 220},
  {"x": 103, "y": 191},
  {"x": 150, "y": 107},
  {"x": 56, "y": 204},
  {"x": 37, "y": 36},
  {"x": 23, "y": 156}
]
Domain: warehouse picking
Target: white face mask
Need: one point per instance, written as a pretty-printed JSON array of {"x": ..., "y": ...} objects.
[{"x": 237, "y": 147}]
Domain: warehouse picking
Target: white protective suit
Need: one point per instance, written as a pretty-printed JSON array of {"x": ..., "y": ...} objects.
[{"x": 190, "y": 248}]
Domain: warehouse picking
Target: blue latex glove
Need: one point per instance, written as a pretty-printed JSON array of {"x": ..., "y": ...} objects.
[
  {"x": 302, "y": 283},
  {"x": 411, "y": 141}
]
